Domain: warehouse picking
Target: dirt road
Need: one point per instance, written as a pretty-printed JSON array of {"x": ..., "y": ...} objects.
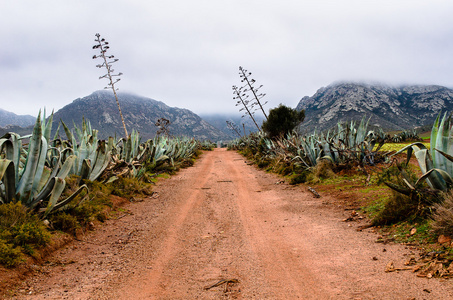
[{"x": 225, "y": 220}]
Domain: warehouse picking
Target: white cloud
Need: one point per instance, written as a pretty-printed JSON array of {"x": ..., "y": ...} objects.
[{"x": 187, "y": 53}]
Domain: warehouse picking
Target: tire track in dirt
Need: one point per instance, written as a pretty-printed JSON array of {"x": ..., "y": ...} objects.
[
  {"x": 282, "y": 267},
  {"x": 223, "y": 219},
  {"x": 145, "y": 289}
]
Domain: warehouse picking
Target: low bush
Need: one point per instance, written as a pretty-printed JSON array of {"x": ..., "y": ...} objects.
[
  {"x": 21, "y": 232},
  {"x": 129, "y": 187},
  {"x": 10, "y": 255}
]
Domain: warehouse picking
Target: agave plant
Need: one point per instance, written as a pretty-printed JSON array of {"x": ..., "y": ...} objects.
[
  {"x": 350, "y": 143},
  {"x": 92, "y": 156},
  {"x": 26, "y": 177},
  {"x": 436, "y": 164}
]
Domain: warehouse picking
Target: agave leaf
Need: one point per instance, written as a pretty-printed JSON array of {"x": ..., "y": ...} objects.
[
  {"x": 24, "y": 188},
  {"x": 85, "y": 170},
  {"x": 441, "y": 143},
  {"x": 443, "y": 184},
  {"x": 47, "y": 127},
  {"x": 102, "y": 160},
  {"x": 299, "y": 157},
  {"x": 82, "y": 154},
  {"x": 448, "y": 156},
  {"x": 398, "y": 188},
  {"x": 7, "y": 146},
  {"x": 416, "y": 146},
  {"x": 57, "y": 132},
  {"x": 410, "y": 186},
  {"x": 40, "y": 167},
  {"x": 8, "y": 177},
  {"x": 62, "y": 173},
  {"x": 67, "y": 132},
  {"x": 17, "y": 146},
  {"x": 57, "y": 190},
  {"x": 66, "y": 201},
  {"x": 45, "y": 192},
  {"x": 45, "y": 176},
  {"x": 66, "y": 168}
]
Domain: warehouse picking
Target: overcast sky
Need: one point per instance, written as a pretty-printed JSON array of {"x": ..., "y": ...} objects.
[{"x": 187, "y": 53}]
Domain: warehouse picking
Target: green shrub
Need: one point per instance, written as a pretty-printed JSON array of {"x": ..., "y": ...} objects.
[
  {"x": 281, "y": 120},
  {"x": 21, "y": 232},
  {"x": 64, "y": 222},
  {"x": 30, "y": 235},
  {"x": 10, "y": 255}
]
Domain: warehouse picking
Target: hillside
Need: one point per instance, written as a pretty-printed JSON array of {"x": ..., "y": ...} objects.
[
  {"x": 9, "y": 118},
  {"x": 139, "y": 113},
  {"x": 392, "y": 108}
]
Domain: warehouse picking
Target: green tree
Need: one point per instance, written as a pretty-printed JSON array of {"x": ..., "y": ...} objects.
[{"x": 282, "y": 120}]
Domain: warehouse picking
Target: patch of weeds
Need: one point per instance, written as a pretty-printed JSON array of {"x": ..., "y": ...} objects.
[
  {"x": 405, "y": 204},
  {"x": 129, "y": 187},
  {"x": 323, "y": 170},
  {"x": 297, "y": 178},
  {"x": 283, "y": 169},
  {"x": 99, "y": 192},
  {"x": 186, "y": 163},
  {"x": 263, "y": 163},
  {"x": 393, "y": 173},
  {"x": 374, "y": 208},
  {"x": 21, "y": 232},
  {"x": 81, "y": 212},
  {"x": 64, "y": 222},
  {"x": 397, "y": 208},
  {"x": 420, "y": 233}
]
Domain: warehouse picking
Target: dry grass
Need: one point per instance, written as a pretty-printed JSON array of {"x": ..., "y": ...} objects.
[
  {"x": 323, "y": 170},
  {"x": 443, "y": 216}
]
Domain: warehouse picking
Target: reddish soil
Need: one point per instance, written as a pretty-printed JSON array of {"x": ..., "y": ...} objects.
[{"x": 225, "y": 220}]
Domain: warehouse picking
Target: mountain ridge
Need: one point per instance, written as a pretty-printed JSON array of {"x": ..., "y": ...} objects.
[
  {"x": 392, "y": 108},
  {"x": 11, "y": 119},
  {"x": 140, "y": 113}
]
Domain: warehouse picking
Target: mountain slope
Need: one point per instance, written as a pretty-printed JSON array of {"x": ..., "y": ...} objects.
[
  {"x": 139, "y": 113},
  {"x": 392, "y": 108},
  {"x": 9, "y": 118}
]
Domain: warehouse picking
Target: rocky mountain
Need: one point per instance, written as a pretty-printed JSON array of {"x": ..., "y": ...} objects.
[
  {"x": 392, "y": 108},
  {"x": 139, "y": 113},
  {"x": 11, "y": 119}
]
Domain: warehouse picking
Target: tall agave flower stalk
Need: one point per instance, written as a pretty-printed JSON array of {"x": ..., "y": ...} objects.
[
  {"x": 245, "y": 103},
  {"x": 249, "y": 87},
  {"x": 102, "y": 45},
  {"x": 233, "y": 127}
]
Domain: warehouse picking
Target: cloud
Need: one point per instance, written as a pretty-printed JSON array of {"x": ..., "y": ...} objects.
[{"x": 187, "y": 53}]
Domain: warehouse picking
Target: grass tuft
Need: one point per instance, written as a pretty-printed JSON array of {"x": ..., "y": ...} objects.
[{"x": 442, "y": 218}]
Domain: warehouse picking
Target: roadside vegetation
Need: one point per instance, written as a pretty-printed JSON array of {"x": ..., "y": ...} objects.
[
  {"x": 400, "y": 182},
  {"x": 57, "y": 184}
]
